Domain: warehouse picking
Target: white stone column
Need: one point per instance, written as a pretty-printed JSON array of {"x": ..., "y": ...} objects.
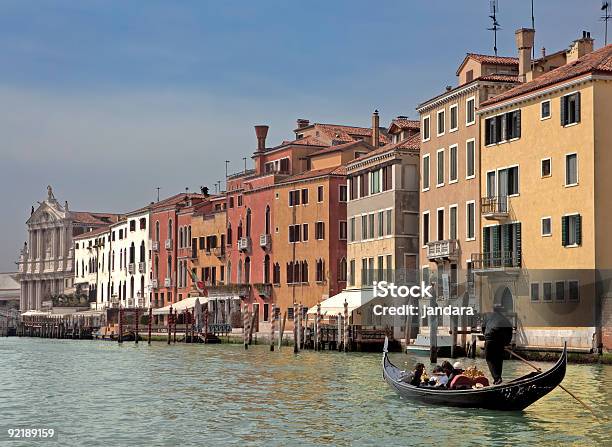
[{"x": 39, "y": 251}]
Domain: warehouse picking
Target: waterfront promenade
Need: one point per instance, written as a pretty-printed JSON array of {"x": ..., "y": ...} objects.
[{"x": 102, "y": 393}]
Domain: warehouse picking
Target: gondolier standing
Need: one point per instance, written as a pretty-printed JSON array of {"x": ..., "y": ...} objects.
[{"x": 497, "y": 331}]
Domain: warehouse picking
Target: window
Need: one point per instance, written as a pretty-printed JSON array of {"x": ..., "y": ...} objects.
[
  {"x": 319, "y": 230},
  {"x": 239, "y": 200},
  {"x": 231, "y": 202},
  {"x": 202, "y": 243},
  {"x": 352, "y": 272},
  {"x": 546, "y": 291},
  {"x": 560, "y": 291},
  {"x": 294, "y": 233},
  {"x": 571, "y": 229},
  {"x": 371, "y": 226},
  {"x": 440, "y": 170},
  {"x": 342, "y": 270},
  {"x": 570, "y": 109},
  {"x": 342, "y": 230},
  {"x": 132, "y": 225},
  {"x": 305, "y": 232},
  {"x": 574, "y": 291},
  {"x": 452, "y": 225},
  {"x": 389, "y": 222},
  {"x": 545, "y": 110},
  {"x": 508, "y": 181},
  {"x": 353, "y": 188},
  {"x": 364, "y": 187},
  {"x": 294, "y": 198},
  {"x": 469, "y": 76},
  {"x": 320, "y": 270},
  {"x": 571, "y": 169},
  {"x": 364, "y": 227},
  {"x": 535, "y": 291},
  {"x": 440, "y": 223},
  {"x": 375, "y": 183},
  {"x": 304, "y": 196},
  {"x": 470, "y": 156},
  {"x": 503, "y": 127},
  {"x": 342, "y": 194},
  {"x": 387, "y": 178},
  {"x": 546, "y": 226},
  {"x": 470, "y": 111},
  {"x": 425, "y": 229},
  {"x": 470, "y": 216},
  {"x": 453, "y": 175},
  {"x": 381, "y": 223},
  {"x": 425, "y": 172},
  {"x": 441, "y": 122},
  {"x": 546, "y": 167},
  {"x": 426, "y": 128},
  {"x": 454, "y": 118},
  {"x": 352, "y": 230},
  {"x": 380, "y": 270}
]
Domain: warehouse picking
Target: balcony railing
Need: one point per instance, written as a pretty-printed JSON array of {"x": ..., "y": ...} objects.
[
  {"x": 447, "y": 249},
  {"x": 496, "y": 260},
  {"x": 495, "y": 207},
  {"x": 168, "y": 244},
  {"x": 264, "y": 289},
  {"x": 142, "y": 266},
  {"x": 230, "y": 290},
  {"x": 219, "y": 252},
  {"x": 168, "y": 282},
  {"x": 131, "y": 268},
  {"x": 244, "y": 244},
  {"x": 155, "y": 245},
  {"x": 154, "y": 284},
  {"x": 265, "y": 241}
]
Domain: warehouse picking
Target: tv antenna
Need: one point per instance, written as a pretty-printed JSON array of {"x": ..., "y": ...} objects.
[
  {"x": 494, "y": 9},
  {"x": 606, "y": 7}
]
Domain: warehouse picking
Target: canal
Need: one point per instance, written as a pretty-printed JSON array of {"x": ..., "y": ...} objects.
[{"x": 101, "y": 393}]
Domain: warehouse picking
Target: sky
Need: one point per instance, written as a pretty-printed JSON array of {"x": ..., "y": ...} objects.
[{"x": 108, "y": 100}]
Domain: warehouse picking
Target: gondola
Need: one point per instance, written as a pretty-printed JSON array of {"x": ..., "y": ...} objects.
[{"x": 515, "y": 395}]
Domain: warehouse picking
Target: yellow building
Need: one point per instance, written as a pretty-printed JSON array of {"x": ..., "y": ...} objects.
[{"x": 545, "y": 207}]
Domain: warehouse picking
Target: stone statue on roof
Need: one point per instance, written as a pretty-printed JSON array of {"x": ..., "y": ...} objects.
[{"x": 50, "y": 196}]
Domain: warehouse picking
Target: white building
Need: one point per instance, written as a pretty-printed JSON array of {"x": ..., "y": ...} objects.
[
  {"x": 91, "y": 264},
  {"x": 46, "y": 267}
]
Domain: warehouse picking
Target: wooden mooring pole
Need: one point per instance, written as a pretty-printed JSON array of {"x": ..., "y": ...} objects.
[
  {"x": 282, "y": 331},
  {"x": 149, "y": 323},
  {"x": 298, "y": 340},
  {"x": 169, "y": 324},
  {"x": 295, "y": 328},
  {"x": 137, "y": 318},
  {"x": 245, "y": 329},
  {"x": 120, "y": 336},
  {"x": 347, "y": 341},
  {"x": 272, "y": 327}
]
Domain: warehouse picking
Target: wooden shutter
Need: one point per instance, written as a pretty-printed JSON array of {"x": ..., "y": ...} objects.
[
  {"x": 505, "y": 123},
  {"x": 563, "y": 110},
  {"x": 506, "y": 236},
  {"x": 564, "y": 238},
  {"x": 577, "y": 107},
  {"x": 486, "y": 241},
  {"x": 493, "y": 138},
  {"x": 519, "y": 246},
  {"x": 518, "y": 124},
  {"x": 579, "y": 229},
  {"x": 496, "y": 238}
]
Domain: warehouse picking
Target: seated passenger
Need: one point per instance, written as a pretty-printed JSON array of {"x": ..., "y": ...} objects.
[
  {"x": 438, "y": 377},
  {"x": 414, "y": 377},
  {"x": 449, "y": 371}
]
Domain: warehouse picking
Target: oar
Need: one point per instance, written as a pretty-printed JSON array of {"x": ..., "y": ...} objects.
[{"x": 560, "y": 386}]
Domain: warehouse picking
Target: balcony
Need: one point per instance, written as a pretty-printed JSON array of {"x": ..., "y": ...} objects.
[
  {"x": 240, "y": 290},
  {"x": 265, "y": 241},
  {"x": 168, "y": 282},
  {"x": 508, "y": 262},
  {"x": 130, "y": 302},
  {"x": 131, "y": 268},
  {"x": 264, "y": 289},
  {"x": 142, "y": 266},
  {"x": 154, "y": 284},
  {"x": 494, "y": 208},
  {"x": 443, "y": 250},
  {"x": 155, "y": 245},
  {"x": 219, "y": 252},
  {"x": 244, "y": 244},
  {"x": 168, "y": 244}
]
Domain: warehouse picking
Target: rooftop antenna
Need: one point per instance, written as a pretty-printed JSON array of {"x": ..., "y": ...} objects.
[
  {"x": 606, "y": 7},
  {"x": 494, "y": 8},
  {"x": 158, "y": 188}
]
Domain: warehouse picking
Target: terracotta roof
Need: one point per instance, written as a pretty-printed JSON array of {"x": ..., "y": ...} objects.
[
  {"x": 89, "y": 218},
  {"x": 334, "y": 170},
  {"x": 309, "y": 140},
  {"x": 93, "y": 232},
  {"x": 404, "y": 123},
  {"x": 341, "y": 147},
  {"x": 499, "y": 78},
  {"x": 495, "y": 60},
  {"x": 599, "y": 61},
  {"x": 344, "y": 133},
  {"x": 175, "y": 199},
  {"x": 412, "y": 143}
]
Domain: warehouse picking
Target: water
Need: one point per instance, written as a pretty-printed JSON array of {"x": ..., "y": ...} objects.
[{"x": 99, "y": 393}]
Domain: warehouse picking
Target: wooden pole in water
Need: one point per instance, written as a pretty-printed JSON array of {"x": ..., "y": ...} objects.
[
  {"x": 120, "y": 336},
  {"x": 318, "y": 328},
  {"x": 347, "y": 343},
  {"x": 454, "y": 329},
  {"x": 339, "y": 337},
  {"x": 295, "y": 328},
  {"x": 149, "y": 324},
  {"x": 245, "y": 328},
  {"x": 305, "y": 329},
  {"x": 206, "y": 325},
  {"x": 282, "y": 331},
  {"x": 185, "y": 317},
  {"x": 272, "y": 325},
  {"x": 169, "y": 324},
  {"x": 175, "y": 321},
  {"x": 252, "y": 327},
  {"x": 433, "y": 328},
  {"x": 299, "y": 326},
  {"x": 137, "y": 318}
]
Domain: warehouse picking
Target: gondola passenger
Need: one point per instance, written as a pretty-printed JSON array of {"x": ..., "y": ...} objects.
[{"x": 414, "y": 377}]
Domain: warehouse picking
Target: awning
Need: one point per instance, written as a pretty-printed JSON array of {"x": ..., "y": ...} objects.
[
  {"x": 355, "y": 298},
  {"x": 180, "y": 306},
  {"x": 31, "y": 313},
  {"x": 223, "y": 297}
]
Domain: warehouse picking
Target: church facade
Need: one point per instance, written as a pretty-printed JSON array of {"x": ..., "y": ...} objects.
[{"x": 46, "y": 267}]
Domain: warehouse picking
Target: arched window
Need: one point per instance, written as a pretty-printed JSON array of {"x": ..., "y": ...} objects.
[
  {"x": 342, "y": 270},
  {"x": 189, "y": 236},
  {"x": 157, "y": 267},
  {"x": 305, "y": 271},
  {"x": 157, "y": 230},
  {"x": 239, "y": 279},
  {"x": 229, "y": 235},
  {"x": 170, "y": 229},
  {"x": 320, "y": 270},
  {"x": 142, "y": 252},
  {"x": 180, "y": 244},
  {"x": 297, "y": 272},
  {"x": 290, "y": 273},
  {"x": 132, "y": 253},
  {"x": 142, "y": 291},
  {"x": 229, "y": 272},
  {"x": 113, "y": 261},
  {"x": 247, "y": 270},
  {"x": 266, "y": 278},
  {"x": 132, "y": 287},
  {"x": 240, "y": 230},
  {"x": 248, "y": 222},
  {"x": 267, "y": 221},
  {"x": 169, "y": 270},
  {"x": 276, "y": 274}
]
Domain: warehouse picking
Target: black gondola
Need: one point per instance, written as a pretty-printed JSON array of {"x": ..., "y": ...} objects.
[{"x": 511, "y": 396}]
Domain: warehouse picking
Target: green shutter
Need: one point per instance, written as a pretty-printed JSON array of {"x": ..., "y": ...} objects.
[
  {"x": 578, "y": 107},
  {"x": 564, "y": 235},
  {"x": 519, "y": 246},
  {"x": 486, "y": 243},
  {"x": 579, "y": 229},
  {"x": 496, "y": 244},
  {"x": 563, "y": 110}
]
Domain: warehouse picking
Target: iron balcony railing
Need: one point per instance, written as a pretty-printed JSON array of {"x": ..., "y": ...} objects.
[
  {"x": 168, "y": 244},
  {"x": 265, "y": 240},
  {"x": 244, "y": 244},
  {"x": 142, "y": 267},
  {"x": 494, "y": 206},
  {"x": 155, "y": 245},
  {"x": 496, "y": 260}
]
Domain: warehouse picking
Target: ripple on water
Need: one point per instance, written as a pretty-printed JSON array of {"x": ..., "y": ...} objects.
[{"x": 102, "y": 393}]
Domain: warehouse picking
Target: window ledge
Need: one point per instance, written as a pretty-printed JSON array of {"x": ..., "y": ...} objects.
[
  {"x": 571, "y": 246},
  {"x": 470, "y": 124},
  {"x": 547, "y": 235},
  {"x": 571, "y": 124},
  {"x": 453, "y": 130},
  {"x": 453, "y": 181},
  {"x": 545, "y": 118}
]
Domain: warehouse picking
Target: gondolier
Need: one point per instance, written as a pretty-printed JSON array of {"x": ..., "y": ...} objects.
[{"x": 497, "y": 331}]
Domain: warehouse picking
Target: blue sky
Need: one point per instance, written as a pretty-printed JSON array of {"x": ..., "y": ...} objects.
[{"x": 107, "y": 100}]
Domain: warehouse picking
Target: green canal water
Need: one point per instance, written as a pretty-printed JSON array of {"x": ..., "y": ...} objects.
[{"x": 99, "y": 393}]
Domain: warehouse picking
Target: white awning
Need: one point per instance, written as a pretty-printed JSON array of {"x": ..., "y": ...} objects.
[
  {"x": 180, "y": 306},
  {"x": 31, "y": 313},
  {"x": 355, "y": 298},
  {"x": 223, "y": 297}
]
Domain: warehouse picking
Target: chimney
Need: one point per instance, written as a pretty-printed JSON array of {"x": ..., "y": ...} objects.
[
  {"x": 524, "y": 43},
  {"x": 261, "y": 132},
  {"x": 580, "y": 47},
  {"x": 375, "y": 129},
  {"x": 301, "y": 123},
  {"x": 543, "y": 52}
]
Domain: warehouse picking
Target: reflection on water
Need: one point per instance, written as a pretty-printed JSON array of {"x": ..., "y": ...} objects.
[{"x": 102, "y": 393}]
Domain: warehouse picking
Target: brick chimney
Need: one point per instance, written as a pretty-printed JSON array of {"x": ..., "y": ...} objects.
[
  {"x": 375, "y": 129},
  {"x": 580, "y": 47},
  {"x": 524, "y": 44},
  {"x": 261, "y": 132},
  {"x": 301, "y": 123}
]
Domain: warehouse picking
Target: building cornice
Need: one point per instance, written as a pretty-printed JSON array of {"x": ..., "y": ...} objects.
[{"x": 445, "y": 97}]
